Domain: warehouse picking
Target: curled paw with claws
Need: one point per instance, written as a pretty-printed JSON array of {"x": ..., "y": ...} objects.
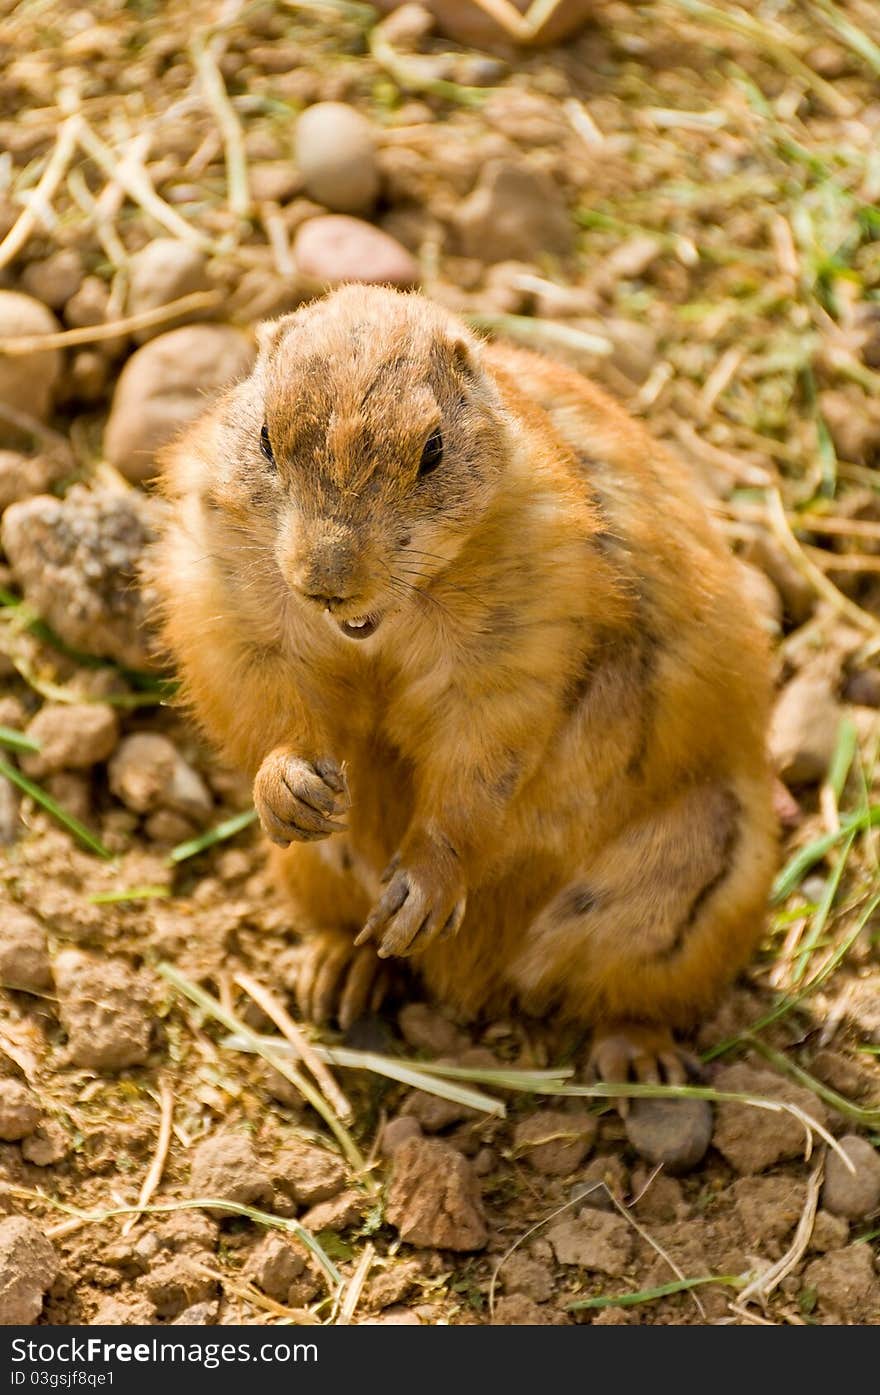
[
  {"x": 424, "y": 899},
  {"x": 336, "y": 981},
  {"x": 631, "y": 1051},
  {"x": 300, "y": 801}
]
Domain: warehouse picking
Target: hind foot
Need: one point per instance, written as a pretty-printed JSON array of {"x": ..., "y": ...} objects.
[
  {"x": 338, "y": 981},
  {"x": 631, "y": 1051}
]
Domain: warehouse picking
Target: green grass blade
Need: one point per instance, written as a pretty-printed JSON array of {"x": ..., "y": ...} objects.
[
  {"x": 406, "y": 1072},
  {"x": 73, "y": 825},
  {"x": 219, "y": 834},
  {"x": 134, "y": 893},
  {"x": 823, "y": 910},
  {"x": 273, "y": 1056},
  {"x": 788, "y": 1003},
  {"x": 650, "y": 1295},
  {"x": 844, "y": 753},
  {"x": 794, "y": 871},
  {"x": 17, "y": 741},
  {"x": 860, "y": 1114}
]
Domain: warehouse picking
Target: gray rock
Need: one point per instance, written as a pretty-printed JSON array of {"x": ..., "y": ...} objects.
[
  {"x": 849, "y": 1194},
  {"x": 674, "y": 1132}
]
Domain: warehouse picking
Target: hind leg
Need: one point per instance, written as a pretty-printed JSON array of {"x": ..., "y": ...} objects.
[
  {"x": 329, "y": 892},
  {"x": 645, "y": 938}
]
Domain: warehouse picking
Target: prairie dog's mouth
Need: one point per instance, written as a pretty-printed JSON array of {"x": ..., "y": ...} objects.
[{"x": 360, "y": 626}]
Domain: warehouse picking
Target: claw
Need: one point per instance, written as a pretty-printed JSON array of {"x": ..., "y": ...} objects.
[
  {"x": 337, "y": 980},
  {"x": 646, "y": 1054}
]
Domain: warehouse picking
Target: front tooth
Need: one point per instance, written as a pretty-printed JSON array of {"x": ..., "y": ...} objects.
[{"x": 357, "y": 624}]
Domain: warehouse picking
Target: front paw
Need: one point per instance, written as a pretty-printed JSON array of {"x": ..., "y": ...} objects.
[
  {"x": 424, "y": 900},
  {"x": 299, "y": 801}
]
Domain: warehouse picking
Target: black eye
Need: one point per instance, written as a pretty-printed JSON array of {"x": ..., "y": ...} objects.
[
  {"x": 432, "y": 453},
  {"x": 266, "y": 445}
]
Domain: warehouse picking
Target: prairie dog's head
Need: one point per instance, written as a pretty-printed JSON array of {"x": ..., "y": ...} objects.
[{"x": 372, "y": 442}]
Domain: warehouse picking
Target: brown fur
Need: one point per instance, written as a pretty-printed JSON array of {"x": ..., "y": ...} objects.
[{"x": 558, "y": 726}]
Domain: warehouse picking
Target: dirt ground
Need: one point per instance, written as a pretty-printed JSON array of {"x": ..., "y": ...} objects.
[{"x": 683, "y": 200}]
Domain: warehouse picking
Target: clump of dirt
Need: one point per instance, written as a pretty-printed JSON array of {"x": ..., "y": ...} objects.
[{"x": 656, "y": 200}]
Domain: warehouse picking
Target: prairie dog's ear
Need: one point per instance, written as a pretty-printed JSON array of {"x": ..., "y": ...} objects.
[
  {"x": 465, "y": 355},
  {"x": 270, "y": 332}
]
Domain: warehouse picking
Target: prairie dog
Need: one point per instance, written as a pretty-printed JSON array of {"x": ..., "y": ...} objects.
[{"x": 490, "y": 667}]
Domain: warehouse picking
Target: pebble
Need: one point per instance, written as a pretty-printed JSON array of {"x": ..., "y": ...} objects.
[
  {"x": 54, "y": 279},
  {"x": 336, "y": 156},
  {"x": 308, "y": 1174},
  {"x": 427, "y": 1029},
  {"x": 164, "y": 270},
  {"x": 674, "y": 1132},
  {"x": 396, "y": 1132},
  {"x": 273, "y": 1265},
  {"x": 164, "y": 386},
  {"x": 434, "y": 1197},
  {"x": 90, "y": 305},
  {"x": 149, "y": 773},
  {"x": 593, "y": 1240},
  {"x": 10, "y": 823},
  {"x": 28, "y": 1266},
  {"x": 514, "y": 213},
  {"x": 335, "y": 248},
  {"x": 24, "y": 959},
  {"x": 226, "y": 1166},
  {"x": 522, "y": 1274},
  {"x": 602, "y": 1175},
  {"x": 71, "y": 736},
  {"x": 76, "y": 559},
  {"x": 753, "y": 1139},
  {"x": 23, "y": 476},
  {"x": 176, "y": 1285},
  {"x": 846, "y": 1285},
  {"x": 516, "y": 1310},
  {"x": 555, "y": 1141},
  {"x": 46, "y": 1146},
  {"x": 27, "y": 383},
  {"x": 803, "y": 731},
  {"x": 769, "y": 1208},
  {"x": 105, "y": 1010},
  {"x": 20, "y": 1111},
  {"x": 848, "y": 1194},
  {"x": 434, "y": 1113},
  {"x": 339, "y": 1213},
  {"x": 863, "y": 688}
]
